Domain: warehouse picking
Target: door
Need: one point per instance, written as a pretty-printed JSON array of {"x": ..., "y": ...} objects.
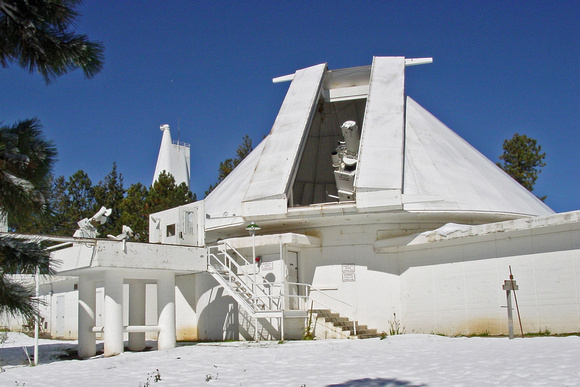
[
  {"x": 292, "y": 278},
  {"x": 192, "y": 230},
  {"x": 99, "y": 301},
  {"x": 60, "y": 312}
]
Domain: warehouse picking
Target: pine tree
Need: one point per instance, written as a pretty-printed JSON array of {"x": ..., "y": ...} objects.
[
  {"x": 134, "y": 212},
  {"x": 36, "y": 34},
  {"x": 60, "y": 203},
  {"x": 110, "y": 193},
  {"x": 26, "y": 160},
  {"x": 140, "y": 203},
  {"x": 228, "y": 165},
  {"x": 75, "y": 202},
  {"x": 522, "y": 159},
  {"x": 165, "y": 194}
]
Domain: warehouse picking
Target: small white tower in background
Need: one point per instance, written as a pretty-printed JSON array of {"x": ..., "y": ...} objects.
[
  {"x": 174, "y": 158},
  {"x": 3, "y": 222}
]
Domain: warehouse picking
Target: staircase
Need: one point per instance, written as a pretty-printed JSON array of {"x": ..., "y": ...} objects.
[
  {"x": 245, "y": 286},
  {"x": 252, "y": 292},
  {"x": 336, "y": 326}
]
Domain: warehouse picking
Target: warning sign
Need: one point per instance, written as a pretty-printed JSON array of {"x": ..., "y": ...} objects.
[
  {"x": 347, "y": 277},
  {"x": 267, "y": 266},
  {"x": 348, "y": 273}
]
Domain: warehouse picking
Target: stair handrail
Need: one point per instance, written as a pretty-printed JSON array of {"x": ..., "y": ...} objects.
[
  {"x": 334, "y": 309},
  {"x": 299, "y": 296},
  {"x": 253, "y": 286},
  {"x": 225, "y": 247},
  {"x": 226, "y": 264}
]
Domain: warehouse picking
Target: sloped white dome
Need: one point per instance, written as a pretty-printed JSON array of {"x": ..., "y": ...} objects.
[
  {"x": 442, "y": 172},
  {"x": 408, "y": 160}
]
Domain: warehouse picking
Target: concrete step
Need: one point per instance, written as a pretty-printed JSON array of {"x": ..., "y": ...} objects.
[{"x": 345, "y": 325}]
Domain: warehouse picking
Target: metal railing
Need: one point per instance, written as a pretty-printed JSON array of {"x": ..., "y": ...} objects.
[
  {"x": 231, "y": 265},
  {"x": 351, "y": 315},
  {"x": 253, "y": 283}
]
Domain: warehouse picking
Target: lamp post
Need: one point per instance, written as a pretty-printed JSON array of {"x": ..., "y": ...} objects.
[
  {"x": 37, "y": 316},
  {"x": 252, "y": 228}
]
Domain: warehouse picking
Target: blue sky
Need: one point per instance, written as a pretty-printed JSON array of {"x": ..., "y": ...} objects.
[{"x": 500, "y": 67}]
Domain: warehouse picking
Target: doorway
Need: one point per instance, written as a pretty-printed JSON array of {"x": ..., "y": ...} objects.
[
  {"x": 292, "y": 280},
  {"x": 60, "y": 315}
]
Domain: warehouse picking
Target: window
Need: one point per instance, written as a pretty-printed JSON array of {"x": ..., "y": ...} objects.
[
  {"x": 170, "y": 230},
  {"x": 188, "y": 223}
]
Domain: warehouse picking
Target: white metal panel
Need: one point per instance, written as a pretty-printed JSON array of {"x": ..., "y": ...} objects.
[
  {"x": 380, "y": 162},
  {"x": 223, "y": 205},
  {"x": 346, "y": 93},
  {"x": 131, "y": 255},
  {"x": 444, "y": 172},
  {"x": 292, "y": 239},
  {"x": 349, "y": 77},
  {"x": 77, "y": 256},
  {"x": 275, "y": 167}
]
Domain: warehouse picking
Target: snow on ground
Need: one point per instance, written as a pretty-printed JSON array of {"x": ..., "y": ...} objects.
[{"x": 406, "y": 360}]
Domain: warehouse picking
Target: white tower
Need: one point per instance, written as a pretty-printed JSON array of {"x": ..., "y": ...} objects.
[
  {"x": 3, "y": 222},
  {"x": 174, "y": 158}
]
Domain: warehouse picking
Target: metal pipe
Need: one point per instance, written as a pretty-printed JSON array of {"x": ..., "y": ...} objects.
[{"x": 36, "y": 318}]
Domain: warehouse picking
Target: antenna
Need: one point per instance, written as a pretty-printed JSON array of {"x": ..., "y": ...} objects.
[{"x": 178, "y": 131}]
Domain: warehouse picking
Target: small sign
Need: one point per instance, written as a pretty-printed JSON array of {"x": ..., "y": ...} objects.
[
  {"x": 267, "y": 266},
  {"x": 348, "y": 268},
  {"x": 348, "y": 277},
  {"x": 510, "y": 285}
]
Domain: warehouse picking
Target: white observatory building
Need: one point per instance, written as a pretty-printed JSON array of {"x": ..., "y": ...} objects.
[
  {"x": 360, "y": 209},
  {"x": 174, "y": 157}
]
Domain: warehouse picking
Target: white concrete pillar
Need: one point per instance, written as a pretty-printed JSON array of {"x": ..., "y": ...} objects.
[
  {"x": 87, "y": 306},
  {"x": 166, "y": 311},
  {"x": 113, "y": 313},
  {"x": 136, "y": 314}
]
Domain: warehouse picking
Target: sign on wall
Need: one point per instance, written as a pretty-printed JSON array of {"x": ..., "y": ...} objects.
[
  {"x": 348, "y": 273},
  {"x": 267, "y": 266}
]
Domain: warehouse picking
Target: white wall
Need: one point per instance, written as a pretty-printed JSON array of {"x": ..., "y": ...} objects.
[
  {"x": 61, "y": 318},
  {"x": 373, "y": 296},
  {"x": 457, "y": 288},
  {"x": 217, "y": 312},
  {"x": 185, "y": 308}
]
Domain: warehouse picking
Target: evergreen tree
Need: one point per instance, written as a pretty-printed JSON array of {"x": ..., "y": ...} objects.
[
  {"x": 522, "y": 159},
  {"x": 60, "y": 203},
  {"x": 110, "y": 193},
  {"x": 36, "y": 34},
  {"x": 26, "y": 160},
  {"x": 73, "y": 200},
  {"x": 134, "y": 213},
  {"x": 165, "y": 194},
  {"x": 38, "y": 223},
  {"x": 140, "y": 203},
  {"x": 228, "y": 165}
]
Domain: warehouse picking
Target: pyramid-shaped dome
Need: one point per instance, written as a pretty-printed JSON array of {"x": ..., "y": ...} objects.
[
  {"x": 443, "y": 172},
  {"x": 407, "y": 160}
]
